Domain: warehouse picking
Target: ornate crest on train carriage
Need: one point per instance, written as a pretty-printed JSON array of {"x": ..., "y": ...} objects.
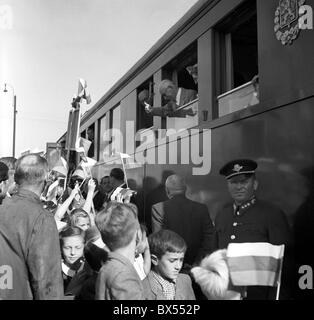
[{"x": 287, "y": 20}]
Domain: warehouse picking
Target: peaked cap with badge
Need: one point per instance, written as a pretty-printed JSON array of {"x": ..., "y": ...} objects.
[{"x": 239, "y": 166}]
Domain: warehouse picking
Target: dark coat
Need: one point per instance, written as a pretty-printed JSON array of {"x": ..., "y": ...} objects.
[
  {"x": 29, "y": 243},
  {"x": 189, "y": 219},
  {"x": 118, "y": 280},
  {"x": 259, "y": 222}
]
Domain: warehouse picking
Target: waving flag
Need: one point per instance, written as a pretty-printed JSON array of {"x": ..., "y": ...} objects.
[
  {"x": 83, "y": 92},
  {"x": 82, "y": 146},
  {"x": 252, "y": 264},
  {"x": 61, "y": 167}
]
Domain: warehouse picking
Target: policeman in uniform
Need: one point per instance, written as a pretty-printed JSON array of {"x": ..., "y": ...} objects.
[{"x": 248, "y": 219}]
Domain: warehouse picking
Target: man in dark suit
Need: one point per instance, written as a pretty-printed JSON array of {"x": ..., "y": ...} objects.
[
  {"x": 249, "y": 219},
  {"x": 189, "y": 219}
]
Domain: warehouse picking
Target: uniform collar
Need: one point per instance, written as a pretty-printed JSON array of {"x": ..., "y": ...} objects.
[{"x": 240, "y": 209}]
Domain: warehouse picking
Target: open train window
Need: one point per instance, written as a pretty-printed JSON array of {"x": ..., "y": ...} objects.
[
  {"x": 145, "y": 95},
  {"x": 91, "y": 137},
  {"x": 236, "y": 60},
  {"x": 182, "y": 72},
  {"x": 83, "y": 134}
]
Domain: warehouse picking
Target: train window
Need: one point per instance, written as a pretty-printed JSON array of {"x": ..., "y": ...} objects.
[
  {"x": 115, "y": 117},
  {"x": 83, "y": 134},
  {"x": 180, "y": 85},
  {"x": 236, "y": 57},
  {"x": 91, "y": 137},
  {"x": 145, "y": 96}
]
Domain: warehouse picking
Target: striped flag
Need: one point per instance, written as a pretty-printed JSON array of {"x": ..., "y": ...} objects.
[
  {"x": 257, "y": 263},
  {"x": 81, "y": 147}
]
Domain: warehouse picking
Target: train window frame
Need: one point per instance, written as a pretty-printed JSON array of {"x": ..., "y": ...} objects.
[
  {"x": 101, "y": 144},
  {"x": 230, "y": 94},
  {"x": 188, "y": 57}
]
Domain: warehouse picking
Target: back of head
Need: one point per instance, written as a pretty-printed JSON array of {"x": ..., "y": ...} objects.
[
  {"x": 166, "y": 241},
  {"x": 117, "y": 224},
  {"x": 117, "y": 174},
  {"x": 175, "y": 184},
  {"x": 31, "y": 170}
]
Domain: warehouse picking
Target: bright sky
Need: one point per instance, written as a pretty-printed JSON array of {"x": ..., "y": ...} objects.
[{"x": 47, "y": 45}]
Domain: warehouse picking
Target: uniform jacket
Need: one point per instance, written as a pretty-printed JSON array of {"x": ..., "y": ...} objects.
[
  {"x": 190, "y": 220},
  {"x": 259, "y": 221},
  {"x": 118, "y": 280},
  {"x": 29, "y": 243},
  {"x": 184, "y": 291}
]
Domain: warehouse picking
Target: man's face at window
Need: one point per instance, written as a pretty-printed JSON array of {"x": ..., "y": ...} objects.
[
  {"x": 90, "y": 134},
  {"x": 242, "y": 187},
  {"x": 170, "y": 93}
]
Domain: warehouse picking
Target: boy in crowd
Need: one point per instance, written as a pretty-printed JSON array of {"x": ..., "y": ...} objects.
[
  {"x": 165, "y": 282},
  {"x": 117, "y": 279}
]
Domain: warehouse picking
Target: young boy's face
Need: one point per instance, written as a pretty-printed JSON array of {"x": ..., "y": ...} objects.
[
  {"x": 170, "y": 265},
  {"x": 83, "y": 223},
  {"x": 72, "y": 248}
]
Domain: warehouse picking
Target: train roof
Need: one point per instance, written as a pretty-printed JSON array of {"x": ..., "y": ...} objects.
[
  {"x": 166, "y": 40},
  {"x": 194, "y": 13}
]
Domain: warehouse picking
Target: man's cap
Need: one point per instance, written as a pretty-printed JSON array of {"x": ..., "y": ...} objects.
[
  {"x": 239, "y": 166},
  {"x": 3, "y": 172}
]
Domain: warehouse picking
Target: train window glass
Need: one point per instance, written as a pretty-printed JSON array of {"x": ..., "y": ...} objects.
[
  {"x": 104, "y": 126},
  {"x": 145, "y": 96},
  {"x": 91, "y": 137},
  {"x": 237, "y": 60},
  {"x": 83, "y": 134},
  {"x": 115, "y": 117},
  {"x": 179, "y": 95}
]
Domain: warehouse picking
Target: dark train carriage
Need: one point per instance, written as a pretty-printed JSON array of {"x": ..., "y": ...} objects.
[{"x": 251, "y": 63}]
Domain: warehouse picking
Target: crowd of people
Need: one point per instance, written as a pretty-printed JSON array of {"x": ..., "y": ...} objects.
[{"x": 84, "y": 240}]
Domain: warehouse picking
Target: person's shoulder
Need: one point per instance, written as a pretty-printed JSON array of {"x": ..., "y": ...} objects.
[
  {"x": 184, "y": 278},
  {"x": 159, "y": 205},
  {"x": 268, "y": 207},
  {"x": 116, "y": 265},
  {"x": 224, "y": 212}
]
